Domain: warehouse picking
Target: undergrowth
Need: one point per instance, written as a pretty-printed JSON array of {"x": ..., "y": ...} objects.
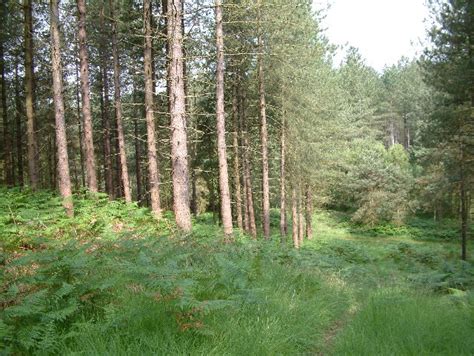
[{"x": 115, "y": 281}]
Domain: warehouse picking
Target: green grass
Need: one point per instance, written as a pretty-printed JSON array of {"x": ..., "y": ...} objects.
[
  {"x": 400, "y": 322},
  {"x": 114, "y": 281}
]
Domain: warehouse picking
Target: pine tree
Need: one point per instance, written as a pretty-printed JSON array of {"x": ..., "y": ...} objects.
[{"x": 61, "y": 140}]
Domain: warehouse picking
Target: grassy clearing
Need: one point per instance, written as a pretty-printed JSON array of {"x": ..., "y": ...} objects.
[{"x": 112, "y": 281}]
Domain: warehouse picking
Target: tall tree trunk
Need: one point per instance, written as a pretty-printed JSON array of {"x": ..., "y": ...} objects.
[
  {"x": 7, "y": 128},
  {"x": 192, "y": 155},
  {"x": 117, "y": 171},
  {"x": 107, "y": 144},
  {"x": 235, "y": 138},
  {"x": 7, "y": 141},
  {"x": 294, "y": 218},
  {"x": 220, "y": 112},
  {"x": 283, "y": 224},
  {"x": 264, "y": 137},
  {"x": 32, "y": 147},
  {"x": 61, "y": 141},
  {"x": 241, "y": 114},
  {"x": 79, "y": 127},
  {"x": 153, "y": 174},
  {"x": 19, "y": 131},
  {"x": 179, "y": 149},
  {"x": 86, "y": 105},
  {"x": 309, "y": 212},
  {"x": 118, "y": 109},
  {"x": 138, "y": 166},
  {"x": 252, "y": 227}
]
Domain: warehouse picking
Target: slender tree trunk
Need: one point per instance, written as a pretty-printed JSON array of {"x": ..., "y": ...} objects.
[
  {"x": 220, "y": 112},
  {"x": 193, "y": 153},
  {"x": 79, "y": 127},
  {"x": 309, "y": 212},
  {"x": 29, "y": 98},
  {"x": 235, "y": 138},
  {"x": 153, "y": 174},
  {"x": 19, "y": 131},
  {"x": 241, "y": 116},
  {"x": 264, "y": 138},
  {"x": 118, "y": 109},
  {"x": 107, "y": 144},
  {"x": 252, "y": 227},
  {"x": 283, "y": 224},
  {"x": 51, "y": 152},
  {"x": 179, "y": 149},
  {"x": 7, "y": 128},
  {"x": 61, "y": 141},
  {"x": 86, "y": 105},
  {"x": 138, "y": 166},
  {"x": 294, "y": 217}
]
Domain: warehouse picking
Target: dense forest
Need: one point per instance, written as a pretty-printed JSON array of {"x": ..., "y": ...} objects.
[{"x": 175, "y": 165}]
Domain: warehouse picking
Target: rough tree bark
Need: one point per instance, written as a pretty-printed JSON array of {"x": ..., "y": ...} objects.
[
  {"x": 179, "y": 149},
  {"x": 153, "y": 174},
  {"x": 294, "y": 218},
  {"x": 235, "y": 139},
  {"x": 32, "y": 143},
  {"x": 220, "y": 112},
  {"x": 91, "y": 176},
  {"x": 127, "y": 192},
  {"x": 264, "y": 137},
  {"x": 61, "y": 141}
]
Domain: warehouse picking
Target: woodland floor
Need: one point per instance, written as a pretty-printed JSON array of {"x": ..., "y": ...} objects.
[{"x": 112, "y": 281}]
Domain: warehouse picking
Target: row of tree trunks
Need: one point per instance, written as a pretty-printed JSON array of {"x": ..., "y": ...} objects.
[
  {"x": 177, "y": 109},
  {"x": 249, "y": 212},
  {"x": 301, "y": 214}
]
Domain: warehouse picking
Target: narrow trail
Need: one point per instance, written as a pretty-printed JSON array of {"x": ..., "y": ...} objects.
[{"x": 335, "y": 329}]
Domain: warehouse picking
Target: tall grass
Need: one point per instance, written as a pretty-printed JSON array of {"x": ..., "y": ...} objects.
[{"x": 114, "y": 281}]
